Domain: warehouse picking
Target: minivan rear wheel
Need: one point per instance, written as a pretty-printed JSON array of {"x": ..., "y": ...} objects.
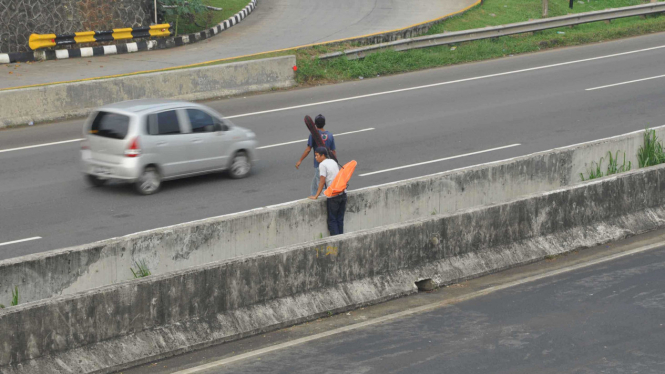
[
  {"x": 240, "y": 165},
  {"x": 95, "y": 181},
  {"x": 149, "y": 182}
]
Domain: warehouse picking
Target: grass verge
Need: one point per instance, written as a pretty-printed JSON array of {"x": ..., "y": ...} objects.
[
  {"x": 209, "y": 18},
  {"x": 491, "y": 13},
  {"x": 312, "y": 71}
]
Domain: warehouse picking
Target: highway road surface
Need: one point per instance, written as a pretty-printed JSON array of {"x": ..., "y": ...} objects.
[{"x": 420, "y": 123}]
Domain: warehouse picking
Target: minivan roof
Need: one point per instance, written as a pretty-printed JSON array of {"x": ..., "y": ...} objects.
[{"x": 141, "y": 105}]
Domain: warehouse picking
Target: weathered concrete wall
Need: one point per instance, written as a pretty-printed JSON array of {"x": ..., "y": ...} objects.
[
  {"x": 77, "y": 269},
  {"x": 134, "y": 321},
  {"x": 20, "y": 18},
  {"x": 77, "y": 99}
]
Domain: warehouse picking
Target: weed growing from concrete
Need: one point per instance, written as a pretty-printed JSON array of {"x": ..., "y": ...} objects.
[
  {"x": 595, "y": 171},
  {"x": 142, "y": 271},
  {"x": 15, "y": 296},
  {"x": 651, "y": 152}
]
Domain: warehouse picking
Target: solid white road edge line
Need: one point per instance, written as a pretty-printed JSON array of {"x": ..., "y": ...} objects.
[
  {"x": 20, "y": 241},
  {"x": 421, "y": 309},
  {"x": 622, "y": 83},
  {"x": 439, "y": 160},
  {"x": 304, "y": 140},
  {"x": 449, "y": 82}
]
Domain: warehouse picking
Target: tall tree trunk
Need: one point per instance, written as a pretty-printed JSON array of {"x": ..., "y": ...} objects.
[{"x": 545, "y": 6}]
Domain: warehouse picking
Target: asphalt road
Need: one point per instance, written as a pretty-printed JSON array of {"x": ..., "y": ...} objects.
[
  {"x": 600, "y": 310},
  {"x": 275, "y": 24},
  {"x": 496, "y": 103}
]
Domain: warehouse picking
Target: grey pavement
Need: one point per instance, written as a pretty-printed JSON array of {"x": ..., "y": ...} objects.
[
  {"x": 275, "y": 24},
  {"x": 43, "y": 194},
  {"x": 591, "y": 317}
]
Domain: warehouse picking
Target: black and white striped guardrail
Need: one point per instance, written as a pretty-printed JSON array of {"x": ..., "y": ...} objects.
[{"x": 162, "y": 43}]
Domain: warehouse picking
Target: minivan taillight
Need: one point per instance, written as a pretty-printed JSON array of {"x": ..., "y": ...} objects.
[
  {"x": 134, "y": 149},
  {"x": 85, "y": 144}
]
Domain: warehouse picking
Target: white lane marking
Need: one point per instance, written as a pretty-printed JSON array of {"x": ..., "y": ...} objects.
[
  {"x": 21, "y": 241},
  {"x": 304, "y": 140},
  {"x": 448, "y": 82},
  {"x": 622, "y": 83},
  {"x": 84, "y": 53},
  {"x": 421, "y": 309},
  {"x": 266, "y": 146},
  {"x": 40, "y": 145},
  {"x": 441, "y": 159}
]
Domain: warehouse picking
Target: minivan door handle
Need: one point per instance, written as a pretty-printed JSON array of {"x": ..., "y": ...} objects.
[
  {"x": 197, "y": 141},
  {"x": 162, "y": 143}
]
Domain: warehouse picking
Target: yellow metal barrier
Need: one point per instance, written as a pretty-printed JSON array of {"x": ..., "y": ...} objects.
[{"x": 38, "y": 41}]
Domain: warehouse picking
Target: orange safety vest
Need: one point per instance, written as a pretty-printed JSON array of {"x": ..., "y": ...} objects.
[{"x": 341, "y": 181}]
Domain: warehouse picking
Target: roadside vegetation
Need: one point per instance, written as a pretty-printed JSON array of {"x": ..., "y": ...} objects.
[
  {"x": 312, "y": 71},
  {"x": 490, "y": 13},
  {"x": 613, "y": 167},
  {"x": 192, "y": 16},
  {"x": 650, "y": 153}
]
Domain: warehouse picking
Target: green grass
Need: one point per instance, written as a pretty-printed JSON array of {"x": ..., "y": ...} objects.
[
  {"x": 595, "y": 170},
  {"x": 501, "y": 12},
  {"x": 210, "y": 18},
  {"x": 651, "y": 152},
  {"x": 391, "y": 62},
  {"x": 142, "y": 271},
  {"x": 312, "y": 71},
  {"x": 15, "y": 296}
]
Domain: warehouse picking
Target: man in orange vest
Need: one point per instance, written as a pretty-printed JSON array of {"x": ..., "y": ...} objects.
[{"x": 336, "y": 205}]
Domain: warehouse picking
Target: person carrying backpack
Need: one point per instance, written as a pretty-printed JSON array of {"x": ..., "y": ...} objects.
[{"x": 336, "y": 205}]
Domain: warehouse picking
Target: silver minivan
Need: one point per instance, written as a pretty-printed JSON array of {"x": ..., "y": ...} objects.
[{"x": 148, "y": 141}]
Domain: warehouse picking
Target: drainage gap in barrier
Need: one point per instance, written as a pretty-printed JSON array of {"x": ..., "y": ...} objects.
[{"x": 425, "y": 285}]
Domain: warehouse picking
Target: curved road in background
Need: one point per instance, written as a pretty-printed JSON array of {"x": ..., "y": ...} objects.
[{"x": 275, "y": 24}]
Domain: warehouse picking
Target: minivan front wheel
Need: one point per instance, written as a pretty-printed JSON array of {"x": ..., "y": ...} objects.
[
  {"x": 240, "y": 165},
  {"x": 149, "y": 182}
]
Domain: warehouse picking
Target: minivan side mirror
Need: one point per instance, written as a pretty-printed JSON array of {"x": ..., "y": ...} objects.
[{"x": 220, "y": 127}]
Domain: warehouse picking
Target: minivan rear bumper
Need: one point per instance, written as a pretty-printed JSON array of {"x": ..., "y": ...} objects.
[{"x": 128, "y": 169}]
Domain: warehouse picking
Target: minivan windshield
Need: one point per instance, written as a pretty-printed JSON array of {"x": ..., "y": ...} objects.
[{"x": 110, "y": 125}]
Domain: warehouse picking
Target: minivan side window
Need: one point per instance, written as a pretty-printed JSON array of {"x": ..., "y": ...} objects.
[
  {"x": 110, "y": 125},
  {"x": 201, "y": 121},
  {"x": 164, "y": 123}
]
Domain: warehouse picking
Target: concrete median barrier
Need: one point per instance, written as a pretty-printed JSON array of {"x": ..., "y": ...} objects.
[
  {"x": 60, "y": 101},
  {"x": 132, "y": 322},
  {"x": 164, "y": 250}
]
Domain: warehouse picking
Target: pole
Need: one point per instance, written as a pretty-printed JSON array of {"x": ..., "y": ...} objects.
[
  {"x": 545, "y": 6},
  {"x": 155, "y": 12}
]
